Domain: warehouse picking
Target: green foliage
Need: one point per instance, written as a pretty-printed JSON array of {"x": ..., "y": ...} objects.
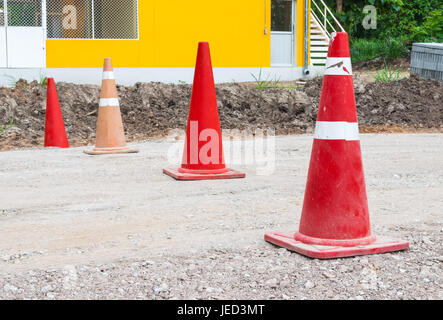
[
  {"x": 11, "y": 124},
  {"x": 431, "y": 30},
  {"x": 387, "y": 75},
  {"x": 410, "y": 21},
  {"x": 11, "y": 80},
  {"x": 43, "y": 81},
  {"x": 394, "y": 48},
  {"x": 263, "y": 84},
  {"x": 363, "y": 49}
]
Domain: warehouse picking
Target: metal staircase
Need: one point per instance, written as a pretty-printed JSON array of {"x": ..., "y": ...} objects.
[{"x": 323, "y": 23}]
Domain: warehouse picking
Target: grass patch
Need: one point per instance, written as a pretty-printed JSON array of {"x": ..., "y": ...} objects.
[
  {"x": 387, "y": 74},
  {"x": 364, "y": 49},
  {"x": 11, "y": 80},
  {"x": 43, "y": 81},
  {"x": 11, "y": 125},
  {"x": 263, "y": 84}
]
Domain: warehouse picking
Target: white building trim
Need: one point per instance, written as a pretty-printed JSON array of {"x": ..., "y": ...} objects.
[{"x": 130, "y": 76}]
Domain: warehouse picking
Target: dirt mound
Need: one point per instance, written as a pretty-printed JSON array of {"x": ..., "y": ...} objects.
[
  {"x": 410, "y": 102},
  {"x": 150, "y": 110},
  {"x": 380, "y": 63}
]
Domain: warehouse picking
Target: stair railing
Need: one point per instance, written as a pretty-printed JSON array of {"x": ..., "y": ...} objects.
[{"x": 323, "y": 16}]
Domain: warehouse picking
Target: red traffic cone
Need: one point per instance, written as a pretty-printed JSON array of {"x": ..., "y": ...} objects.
[
  {"x": 335, "y": 216},
  {"x": 203, "y": 156},
  {"x": 55, "y": 133}
]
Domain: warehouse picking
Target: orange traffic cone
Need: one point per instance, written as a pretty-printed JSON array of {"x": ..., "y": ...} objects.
[
  {"x": 110, "y": 133},
  {"x": 335, "y": 215},
  {"x": 203, "y": 157}
]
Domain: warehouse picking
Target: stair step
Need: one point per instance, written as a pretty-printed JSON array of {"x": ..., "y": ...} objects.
[
  {"x": 319, "y": 54},
  {"x": 318, "y": 62},
  {"x": 319, "y": 49},
  {"x": 318, "y": 59},
  {"x": 318, "y": 37},
  {"x": 319, "y": 43}
]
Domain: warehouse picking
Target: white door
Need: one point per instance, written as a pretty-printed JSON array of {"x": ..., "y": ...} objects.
[
  {"x": 282, "y": 32},
  {"x": 3, "y": 57},
  {"x": 25, "y": 34}
]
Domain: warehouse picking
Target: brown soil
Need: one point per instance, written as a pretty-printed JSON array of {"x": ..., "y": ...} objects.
[
  {"x": 379, "y": 63},
  {"x": 150, "y": 110},
  {"x": 411, "y": 104}
]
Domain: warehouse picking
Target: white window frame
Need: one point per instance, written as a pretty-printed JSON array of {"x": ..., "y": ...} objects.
[{"x": 93, "y": 28}]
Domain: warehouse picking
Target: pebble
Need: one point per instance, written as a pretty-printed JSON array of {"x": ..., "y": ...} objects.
[
  {"x": 272, "y": 283},
  {"x": 47, "y": 288},
  {"x": 412, "y": 274},
  {"x": 11, "y": 288},
  {"x": 162, "y": 288},
  {"x": 309, "y": 285}
]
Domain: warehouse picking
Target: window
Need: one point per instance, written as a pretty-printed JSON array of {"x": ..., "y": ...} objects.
[
  {"x": 24, "y": 13},
  {"x": 92, "y": 19},
  {"x": 281, "y": 15},
  {"x": 2, "y": 14}
]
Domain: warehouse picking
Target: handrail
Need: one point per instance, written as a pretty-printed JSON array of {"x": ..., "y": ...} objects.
[
  {"x": 324, "y": 13},
  {"x": 317, "y": 20}
]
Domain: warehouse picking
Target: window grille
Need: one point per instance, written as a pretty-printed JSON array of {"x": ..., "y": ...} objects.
[
  {"x": 92, "y": 19},
  {"x": 23, "y": 13},
  {"x": 2, "y": 14}
]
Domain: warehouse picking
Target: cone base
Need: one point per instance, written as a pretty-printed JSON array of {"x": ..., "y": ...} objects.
[
  {"x": 177, "y": 175},
  {"x": 60, "y": 147},
  {"x": 102, "y": 151},
  {"x": 381, "y": 245}
]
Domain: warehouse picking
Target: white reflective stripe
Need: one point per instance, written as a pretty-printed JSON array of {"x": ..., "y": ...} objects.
[
  {"x": 331, "y": 130},
  {"x": 109, "y": 102},
  {"x": 108, "y": 75},
  {"x": 338, "y": 66}
]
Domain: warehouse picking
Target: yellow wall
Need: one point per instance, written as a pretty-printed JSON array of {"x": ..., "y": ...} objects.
[
  {"x": 300, "y": 33},
  {"x": 169, "y": 33}
]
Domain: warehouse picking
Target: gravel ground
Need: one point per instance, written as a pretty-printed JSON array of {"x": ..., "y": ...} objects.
[
  {"x": 115, "y": 227},
  {"x": 250, "y": 273}
]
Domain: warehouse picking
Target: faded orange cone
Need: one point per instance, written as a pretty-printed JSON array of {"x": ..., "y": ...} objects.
[{"x": 110, "y": 133}]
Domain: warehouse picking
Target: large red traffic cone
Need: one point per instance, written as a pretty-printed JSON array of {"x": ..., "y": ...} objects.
[
  {"x": 203, "y": 156},
  {"x": 335, "y": 216},
  {"x": 110, "y": 133},
  {"x": 55, "y": 132}
]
